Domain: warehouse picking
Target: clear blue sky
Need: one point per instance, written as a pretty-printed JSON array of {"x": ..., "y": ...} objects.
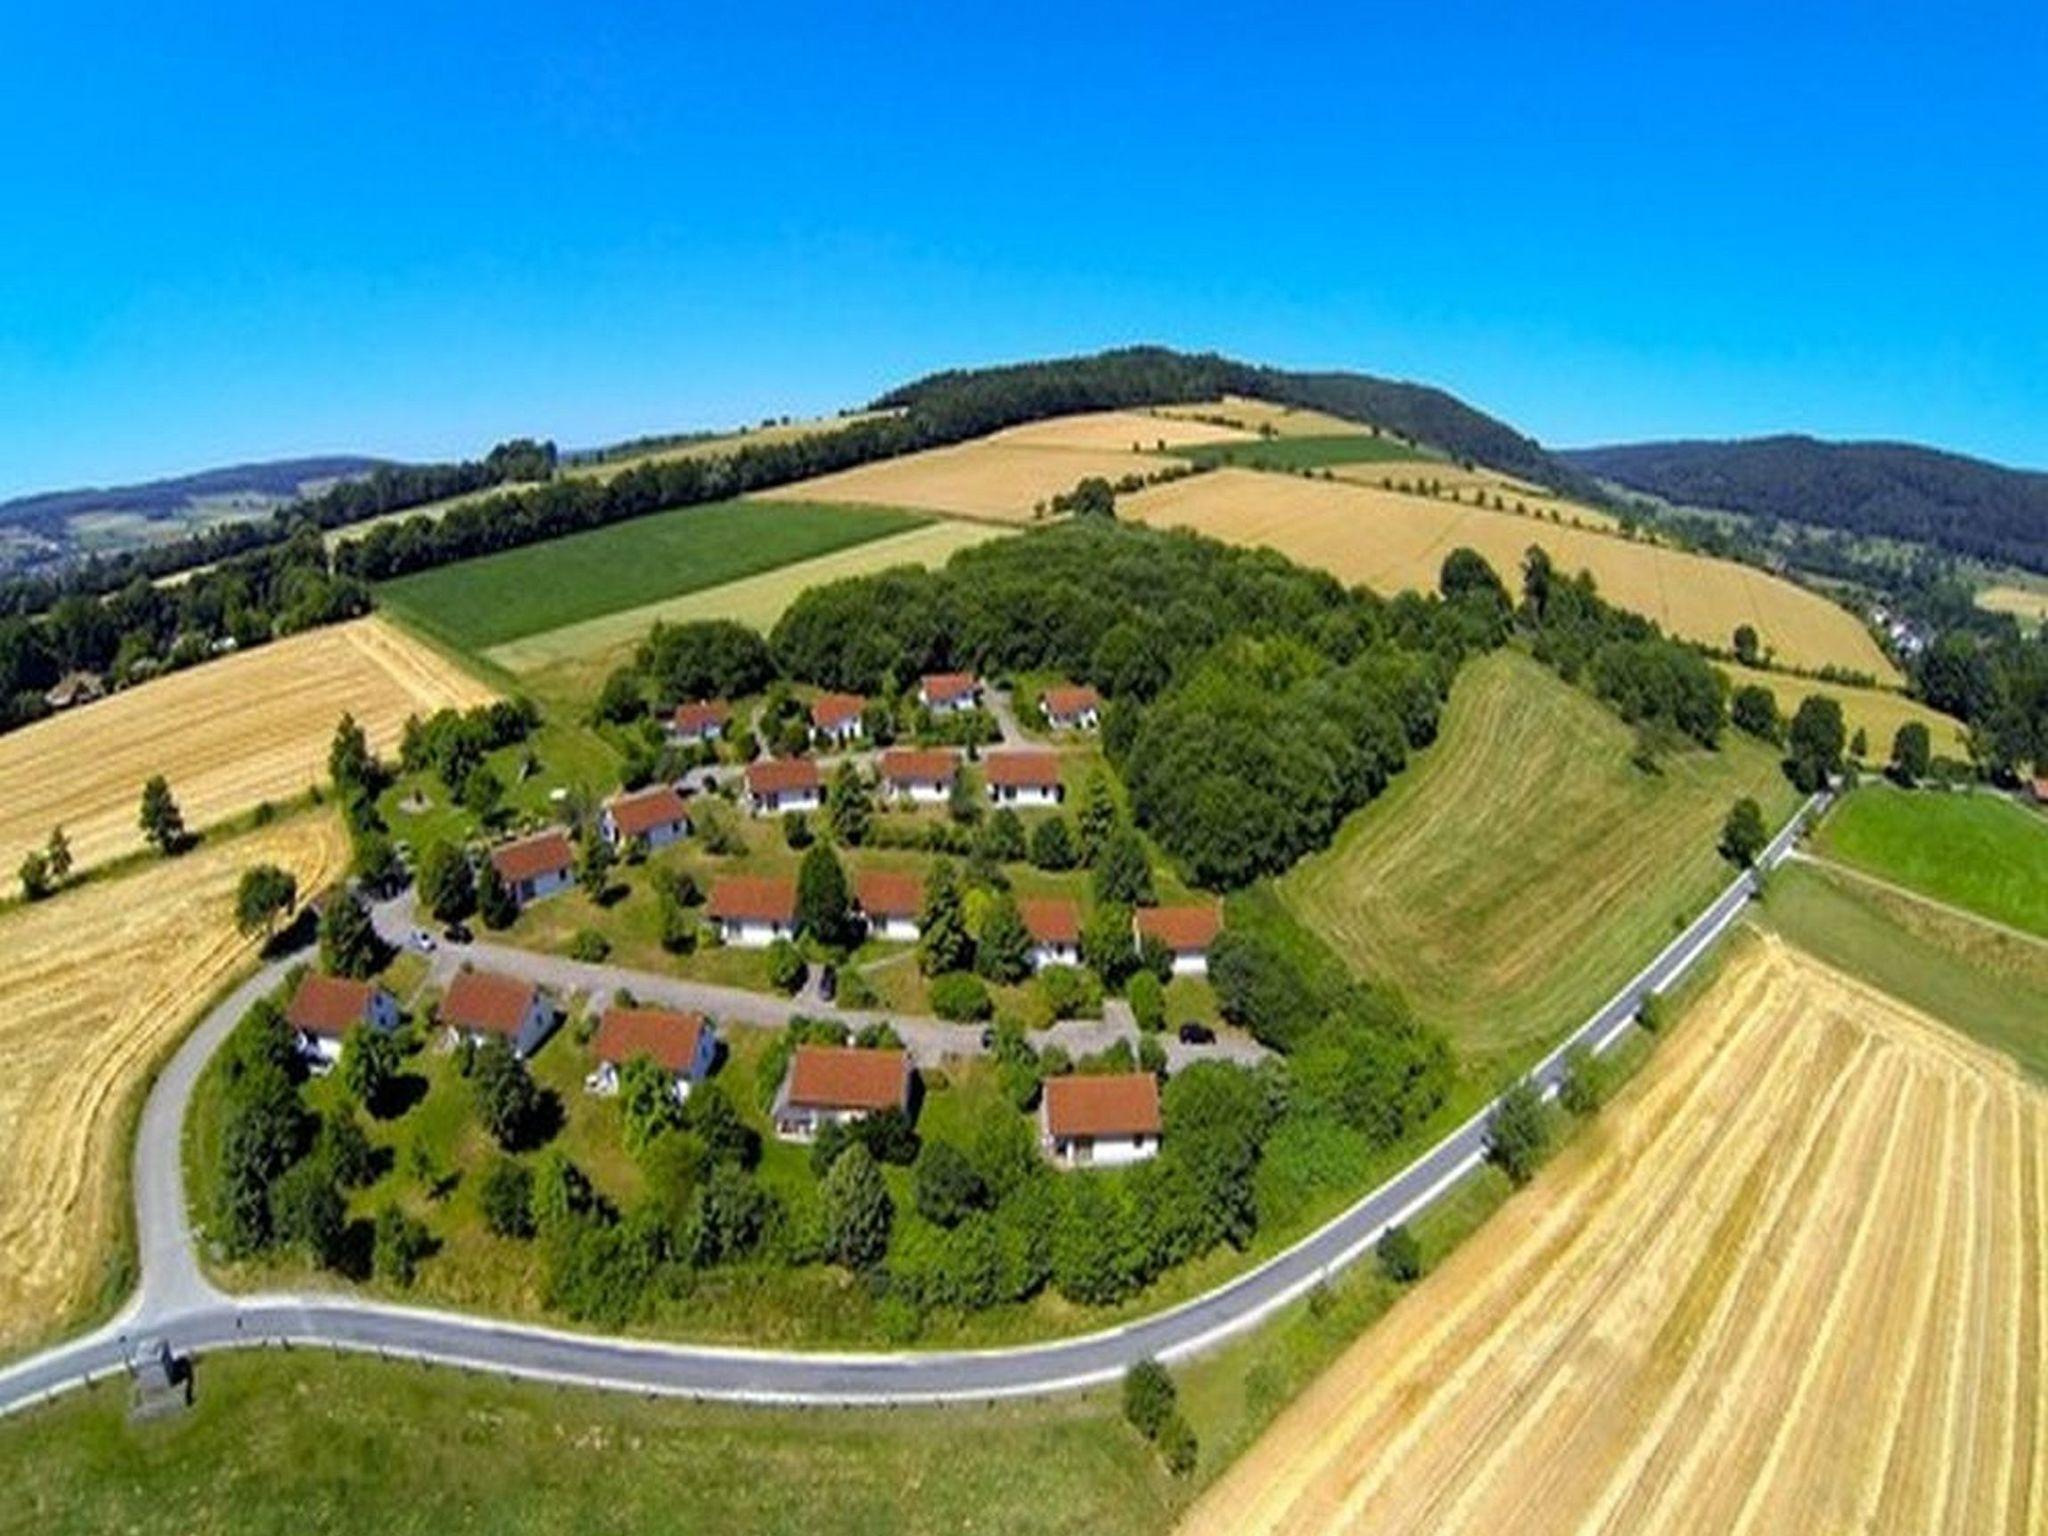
[{"x": 401, "y": 230}]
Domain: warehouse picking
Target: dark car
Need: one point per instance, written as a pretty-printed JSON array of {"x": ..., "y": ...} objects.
[
  {"x": 828, "y": 983},
  {"x": 457, "y": 933},
  {"x": 1192, "y": 1033}
]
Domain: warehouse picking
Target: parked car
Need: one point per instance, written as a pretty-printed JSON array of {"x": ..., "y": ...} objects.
[
  {"x": 1192, "y": 1033},
  {"x": 423, "y": 941}
]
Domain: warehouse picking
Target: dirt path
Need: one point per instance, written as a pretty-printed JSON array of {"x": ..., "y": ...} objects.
[{"x": 1794, "y": 1280}]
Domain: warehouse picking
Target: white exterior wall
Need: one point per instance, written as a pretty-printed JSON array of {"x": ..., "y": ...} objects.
[
  {"x": 753, "y": 935},
  {"x": 1043, "y": 955},
  {"x": 1024, "y": 794},
  {"x": 655, "y": 837},
  {"x": 320, "y": 1051},
  {"x": 920, "y": 792},
  {"x": 542, "y": 886},
  {"x": 1190, "y": 962},
  {"x": 841, "y": 734},
  {"x": 788, "y": 800},
  {"x": 897, "y": 930},
  {"x": 1087, "y": 720},
  {"x": 956, "y": 706},
  {"x": 803, "y": 1125}
]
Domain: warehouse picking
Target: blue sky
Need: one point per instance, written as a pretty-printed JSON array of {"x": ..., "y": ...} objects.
[{"x": 413, "y": 230}]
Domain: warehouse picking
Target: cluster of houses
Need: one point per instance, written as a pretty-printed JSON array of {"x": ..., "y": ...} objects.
[{"x": 1083, "y": 1121}]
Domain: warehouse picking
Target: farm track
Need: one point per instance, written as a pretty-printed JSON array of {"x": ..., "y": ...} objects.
[{"x": 1794, "y": 1280}]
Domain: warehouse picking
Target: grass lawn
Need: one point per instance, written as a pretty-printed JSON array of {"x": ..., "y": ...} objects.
[
  {"x": 1522, "y": 868},
  {"x": 1980, "y": 852},
  {"x": 478, "y": 603},
  {"x": 1286, "y": 453},
  {"x": 1992, "y": 986}
]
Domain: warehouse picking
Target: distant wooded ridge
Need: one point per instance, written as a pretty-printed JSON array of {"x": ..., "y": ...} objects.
[{"x": 1894, "y": 490}]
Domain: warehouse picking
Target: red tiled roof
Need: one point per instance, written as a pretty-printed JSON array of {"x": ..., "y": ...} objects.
[
  {"x": 780, "y": 775},
  {"x": 1126, "y": 1104},
  {"x": 1051, "y": 919},
  {"x": 941, "y": 686},
  {"x": 836, "y": 709},
  {"x": 480, "y": 1000},
  {"x": 841, "y": 1077},
  {"x": 1023, "y": 770},
  {"x": 692, "y": 718},
  {"x": 907, "y": 765},
  {"x": 669, "y": 1038},
  {"x": 329, "y": 1005},
  {"x": 1181, "y": 928},
  {"x": 885, "y": 893},
  {"x": 1066, "y": 702},
  {"x": 643, "y": 810},
  {"x": 545, "y": 853},
  {"x": 753, "y": 898}
]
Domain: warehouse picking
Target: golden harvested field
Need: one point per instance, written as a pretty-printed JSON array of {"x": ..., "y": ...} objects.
[
  {"x": 1251, "y": 415},
  {"x": 1388, "y": 541},
  {"x": 1792, "y": 1280},
  {"x": 1118, "y": 429},
  {"x": 576, "y": 658},
  {"x": 997, "y": 481},
  {"x": 1878, "y": 712},
  {"x": 227, "y": 734},
  {"x": 1482, "y": 486},
  {"x": 95, "y": 984}
]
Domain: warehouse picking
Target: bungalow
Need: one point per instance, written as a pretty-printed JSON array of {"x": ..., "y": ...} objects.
[
  {"x": 779, "y": 784},
  {"x": 833, "y": 1084},
  {"x": 1023, "y": 778},
  {"x": 701, "y": 722},
  {"x": 656, "y": 815},
  {"x": 950, "y": 693},
  {"x": 752, "y": 911},
  {"x": 1187, "y": 933},
  {"x": 1100, "y": 1121},
  {"x": 1055, "y": 929},
  {"x": 536, "y": 866},
  {"x": 325, "y": 1008},
  {"x": 681, "y": 1044},
  {"x": 1071, "y": 709},
  {"x": 923, "y": 778},
  {"x": 836, "y": 718},
  {"x": 889, "y": 904},
  {"x": 481, "y": 1004}
]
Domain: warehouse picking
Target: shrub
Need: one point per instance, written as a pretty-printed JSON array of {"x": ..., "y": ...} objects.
[
  {"x": 1052, "y": 844},
  {"x": 961, "y": 997},
  {"x": 1652, "y": 1011},
  {"x": 1148, "y": 1000},
  {"x": 786, "y": 967},
  {"x": 1584, "y": 1085},
  {"x": 946, "y": 1185},
  {"x": 507, "y": 1198},
  {"x": 399, "y": 1245},
  {"x": 1178, "y": 1447},
  {"x": 858, "y": 1212},
  {"x": 1067, "y": 992},
  {"x": 1149, "y": 1398},
  {"x": 1518, "y": 1135},
  {"x": 589, "y": 946},
  {"x": 1743, "y": 834},
  {"x": 1399, "y": 1254}
]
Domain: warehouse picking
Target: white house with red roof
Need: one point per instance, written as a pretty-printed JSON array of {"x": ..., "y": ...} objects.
[
  {"x": 1025, "y": 779},
  {"x": 836, "y": 718},
  {"x": 1071, "y": 709},
  {"x": 681, "y": 1044},
  {"x": 1186, "y": 932},
  {"x": 778, "y": 785},
  {"x": 752, "y": 911},
  {"x": 829, "y": 1084},
  {"x": 1100, "y": 1122},
  {"x": 889, "y": 903},
  {"x": 1055, "y": 928},
  {"x": 700, "y": 722},
  {"x": 324, "y": 1009},
  {"x": 537, "y": 866},
  {"x": 657, "y": 815},
  {"x": 950, "y": 693},
  {"x": 481, "y": 1005},
  {"x": 920, "y": 777}
]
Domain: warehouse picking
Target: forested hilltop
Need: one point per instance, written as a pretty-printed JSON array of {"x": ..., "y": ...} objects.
[{"x": 1962, "y": 505}]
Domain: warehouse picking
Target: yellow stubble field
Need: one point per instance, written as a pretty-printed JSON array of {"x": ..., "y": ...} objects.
[
  {"x": 1388, "y": 541},
  {"x": 1791, "y": 1281},
  {"x": 227, "y": 734},
  {"x": 95, "y": 986},
  {"x": 1877, "y": 712}
]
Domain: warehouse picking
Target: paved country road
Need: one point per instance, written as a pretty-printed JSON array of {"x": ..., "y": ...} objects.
[{"x": 178, "y": 1305}]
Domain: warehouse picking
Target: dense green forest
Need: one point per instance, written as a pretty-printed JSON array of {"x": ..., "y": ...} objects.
[{"x": 1894, "y": 490}]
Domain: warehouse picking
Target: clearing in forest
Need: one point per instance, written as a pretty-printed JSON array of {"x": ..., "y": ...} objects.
[
  {"x": 96, "y": 984},
  {"x": 1792, "y": 1280},
  {"x": 1389, "y": 541},
  {"x": 228, "y": 734},
  {"x": 1523, "y": 867}
]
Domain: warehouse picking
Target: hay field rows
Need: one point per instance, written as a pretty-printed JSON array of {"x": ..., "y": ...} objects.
[
  {"x": 573, "y": 660},
  {"x": 95, "y": 984},
  {"x": 227, "y": 735},
  {"x": 1119, "y": 430},
  {"x": 1522, "y": 868},
  {"x": 1389, "y": 541},
  {"x": 1255, "y": 415},
  {"x": 1792, "y": 1281},
  {"x": 1514, "y": 496},
  {"x": 988, "y": 478},
  {"x": 1877, "y": 712}
]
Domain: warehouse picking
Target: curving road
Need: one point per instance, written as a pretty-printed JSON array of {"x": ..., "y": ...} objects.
[{"x": 177, "y": 1304}]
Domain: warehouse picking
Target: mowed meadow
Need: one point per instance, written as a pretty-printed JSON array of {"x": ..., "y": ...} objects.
[
  {"x": 1390, "y": 541},
  {"x": 1523, "y": 867},
  {"x": 96, "y": 985},
  {"x": 227, "y": 735},
  {"x": 1792, "y": 1280}
]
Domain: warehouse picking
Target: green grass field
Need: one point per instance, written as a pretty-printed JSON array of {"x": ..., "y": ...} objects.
[
  {"x": 1523, "y": 868},
  {"x": 479, "y": 603},
  {"x": 1992, "y": 986},
  {"x": 1978, "y": 852},
  {"x": 1301, "y": 452}
]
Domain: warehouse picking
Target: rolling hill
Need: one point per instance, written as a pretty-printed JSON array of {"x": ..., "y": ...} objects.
[{"x": 1897, "y": 490}]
